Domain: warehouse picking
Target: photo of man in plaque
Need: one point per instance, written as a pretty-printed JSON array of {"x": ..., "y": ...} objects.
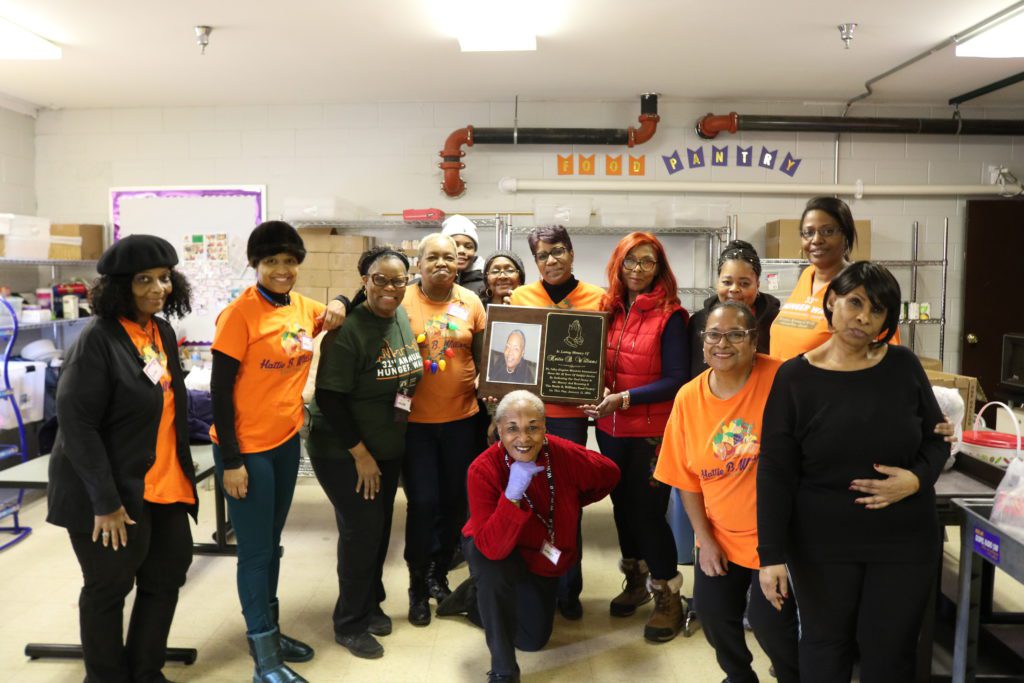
[{"x": 510, "y": 363}]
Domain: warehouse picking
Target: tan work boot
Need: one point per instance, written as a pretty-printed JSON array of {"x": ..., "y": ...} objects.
[
  {"x": 666, "y": 621},
  {"x": 634, "y": 588}
]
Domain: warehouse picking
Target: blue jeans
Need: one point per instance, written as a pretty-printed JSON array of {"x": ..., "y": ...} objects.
[
  {"x": 681, "y": 528},
  {"x": 574, "y": 429},
  {"x": 258, "y": 520}
]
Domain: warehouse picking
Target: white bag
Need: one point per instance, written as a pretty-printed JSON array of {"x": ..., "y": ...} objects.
[
  {"x": 1008, "y": 507},
  {"x": 952, "y": 405}
]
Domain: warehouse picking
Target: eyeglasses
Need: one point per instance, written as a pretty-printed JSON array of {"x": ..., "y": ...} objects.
[
  {"x": 379, "y": 280},
  {"x": 508, "y": 272},
  {"x": 557, "y": 252},
  {"x": 646, "y": 265},
  {"x": 824, "y": 232},
  {"x": 732, "y": 336}
]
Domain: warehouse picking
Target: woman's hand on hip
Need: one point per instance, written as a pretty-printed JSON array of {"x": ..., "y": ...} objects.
[
  {"x": 112, "y": 528},
  {"x": 368, "y": 475},
  {"x": 897, "y": 485},
  {"x": 713, "y": 561},
  {"x": 774, "y": 584},
  {"x": 236, "y": 482}
]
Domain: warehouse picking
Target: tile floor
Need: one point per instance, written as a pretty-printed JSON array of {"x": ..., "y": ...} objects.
[{"x": 40, "y": 581}]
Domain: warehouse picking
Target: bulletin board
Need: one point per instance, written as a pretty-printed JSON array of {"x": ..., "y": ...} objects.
[{"x": 209, "y": 227}]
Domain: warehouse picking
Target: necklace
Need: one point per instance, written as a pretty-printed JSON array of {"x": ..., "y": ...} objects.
[{"x": 432, "y": 362}]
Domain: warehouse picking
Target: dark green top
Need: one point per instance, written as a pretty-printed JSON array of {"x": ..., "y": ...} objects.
[{"x": 368, "y": 360}]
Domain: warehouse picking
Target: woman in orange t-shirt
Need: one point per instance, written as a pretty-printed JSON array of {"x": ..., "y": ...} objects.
[
  {"x": 710, "y": 452},
  {"x": 121, "y": 473},
  {"x": 261, "y": 353}
]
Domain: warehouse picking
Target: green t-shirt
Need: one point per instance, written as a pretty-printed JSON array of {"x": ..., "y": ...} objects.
[{"x": 369, "y": 359}]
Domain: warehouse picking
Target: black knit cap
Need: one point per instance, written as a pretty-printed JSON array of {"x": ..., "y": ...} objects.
[
  {"x": 136, "y": 253},
  {"x": 274, "y": 237},
  {"x": 511, "y": 256}
]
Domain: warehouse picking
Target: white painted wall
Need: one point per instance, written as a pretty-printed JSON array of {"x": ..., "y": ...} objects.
[
  {"x": 375, "y": 158},
  {"x": 17, "y": 163}
]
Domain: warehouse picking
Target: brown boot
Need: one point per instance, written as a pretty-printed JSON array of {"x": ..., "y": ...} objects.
[
  {"x": 666, "y": 621},
  {"x": 634, "y": 588}
]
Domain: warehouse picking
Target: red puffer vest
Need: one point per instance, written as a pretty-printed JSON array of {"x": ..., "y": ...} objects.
[{"x": 633, "y": 359}]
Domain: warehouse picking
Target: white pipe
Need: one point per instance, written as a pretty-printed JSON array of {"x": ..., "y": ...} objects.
[{"x": 512, "y": 185}]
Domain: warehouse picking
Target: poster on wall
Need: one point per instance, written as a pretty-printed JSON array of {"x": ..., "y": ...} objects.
[{"x": 209, "y": 226}]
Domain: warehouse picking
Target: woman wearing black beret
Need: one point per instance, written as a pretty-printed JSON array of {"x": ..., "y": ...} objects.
[{"x": 121, "y": 475}]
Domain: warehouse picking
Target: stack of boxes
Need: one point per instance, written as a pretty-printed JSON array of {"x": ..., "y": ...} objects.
[{"x": 331, "y": 263}]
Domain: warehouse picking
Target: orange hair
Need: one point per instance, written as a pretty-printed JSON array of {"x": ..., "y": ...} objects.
[{"x": 665, "y": 277}]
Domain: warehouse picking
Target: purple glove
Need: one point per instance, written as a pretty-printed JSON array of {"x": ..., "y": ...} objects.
[{"x": 519, "y": 477}]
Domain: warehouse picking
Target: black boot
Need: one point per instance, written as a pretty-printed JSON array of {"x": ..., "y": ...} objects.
[
  {"x": 460, "y": 601},
  {"x": 419, "y": 598},
  {"x": 437, "y": 582},
  {"x": 291, "y": 650},
  {"x": 266, "y": 653}
]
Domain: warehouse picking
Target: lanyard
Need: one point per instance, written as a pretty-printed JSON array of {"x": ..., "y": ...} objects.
[{"x": 548, "y": 523}]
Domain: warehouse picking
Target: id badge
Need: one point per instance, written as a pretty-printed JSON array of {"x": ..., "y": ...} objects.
[
  {"x": 458, "y": 311},
  {"x": 306, "y": 342},
  {"x": 403, "y": 404},
  {"x": 551, "y": 552},
  {"x": 154, "y": 370}
]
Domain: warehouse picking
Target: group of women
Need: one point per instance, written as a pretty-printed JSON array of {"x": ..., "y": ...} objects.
[{"x": 795, "y": 477}]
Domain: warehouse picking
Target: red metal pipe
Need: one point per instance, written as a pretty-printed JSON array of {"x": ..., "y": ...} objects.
[
  {"x": 453, "y": 184},
  {"x": 710, "y": 126},
  {"x": 648, "y": 126}
]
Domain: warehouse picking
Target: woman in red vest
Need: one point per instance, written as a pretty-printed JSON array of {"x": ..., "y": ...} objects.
[{"x": 647, "y": 361}]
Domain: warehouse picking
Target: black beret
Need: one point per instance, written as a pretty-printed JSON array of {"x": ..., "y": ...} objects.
[
  {"x": 136, "y": 253},
  {"x": 274, "y": 237}
]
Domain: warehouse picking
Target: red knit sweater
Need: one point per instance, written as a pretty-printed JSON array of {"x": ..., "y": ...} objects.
[{"x": 498, "y": 526}]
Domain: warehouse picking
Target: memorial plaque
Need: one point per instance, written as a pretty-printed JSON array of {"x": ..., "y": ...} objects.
[{"x": 557, "y": 354}]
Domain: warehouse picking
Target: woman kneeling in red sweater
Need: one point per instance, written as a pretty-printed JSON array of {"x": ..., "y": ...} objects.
[{"x": 518, "y": 542}]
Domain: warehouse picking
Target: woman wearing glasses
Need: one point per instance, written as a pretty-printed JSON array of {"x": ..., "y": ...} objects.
[
  {"x": 711, "y": 450},
  {"x": 827, "y": 234},
  {"x": 368, "y": 372},
  {"x": 504, "y": 272},
  {"x": 559, "y": 288},
  {"x": 646, "y": 361}
]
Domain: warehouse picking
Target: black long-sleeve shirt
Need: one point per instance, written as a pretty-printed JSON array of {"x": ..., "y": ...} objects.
[{"x": 823, "y": 429}]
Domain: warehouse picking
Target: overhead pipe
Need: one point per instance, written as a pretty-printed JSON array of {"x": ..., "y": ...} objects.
[
  {"x": 1006, "y": 188},
  {"x": 708, "y": 127},
  {"x": 452, "y": 165}
]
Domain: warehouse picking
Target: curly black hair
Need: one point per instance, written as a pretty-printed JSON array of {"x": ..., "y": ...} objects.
[{"x": 111, "y": 297}]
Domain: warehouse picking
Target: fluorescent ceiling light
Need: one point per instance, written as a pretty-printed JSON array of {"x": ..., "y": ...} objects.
[
  {"x": 20, "y": 43},
  {"x": 497, "y": 42},
  {"x": 1001, "y": 41},
  {"x": 497, "y": 25}
]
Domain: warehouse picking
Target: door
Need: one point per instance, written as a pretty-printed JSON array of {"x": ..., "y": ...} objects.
[{"x": 993, "y": 298}]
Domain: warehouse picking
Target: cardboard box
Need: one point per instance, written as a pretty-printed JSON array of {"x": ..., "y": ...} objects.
[
  {"x": 76, "y": 241},
  {"x": 24, "y": 237},
  {"x": 782, "y": 240},
  {"x": 316, "y": 260},
  {"x": 930, "y": 363},
  {"x": 345, "y": 262},
  {"x": 967, "y": 386},
  {"x": 314, "y": 278},
  {"x": 349, "y": 244},
  {"x": 316, "y": 239},
  {"x": 316, "y": 293},
  {"x": 346, "y": 281}
]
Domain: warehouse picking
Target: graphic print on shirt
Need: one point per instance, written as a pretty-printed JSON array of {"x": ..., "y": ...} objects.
[
  {"x": 401, "y": 362},
  {"x": 291, "y": 338},
  {"x": 805, "y": 316},
  {"x": 735, "y": 443}
]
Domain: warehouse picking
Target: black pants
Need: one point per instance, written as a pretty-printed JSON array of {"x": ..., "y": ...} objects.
[
  {"x": 720, "y": 602},
  {"x": 437, "y": 458},
  {"x": 517, "y": 607},
  {"x": 156, "y": 559},
  {"x": 364, "y": 531},
  {"x": 873, "y": 610},
  {"x": 640, "y": 502},
  {"x": 574, "y": 429}
]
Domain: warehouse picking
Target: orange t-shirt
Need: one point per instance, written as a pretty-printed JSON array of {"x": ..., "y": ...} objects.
[
  {"x": 274, "y": 345},
  {"x": 585, "y": 297},
  {"x": 450, "y": 394},
  {"x": 711, "y": 446},
  {"x": 165, "y": 481},
  {"x": 801, "y": 325}
]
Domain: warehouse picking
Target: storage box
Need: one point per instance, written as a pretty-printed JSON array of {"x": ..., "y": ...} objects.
[
  {"x": 315, "y": 293},
  {"x": 349, "y": 244},
  {"x": 782, "y": 240},
  {"x": 314, "y": 278},
  {"x": 76, "y": 241},
  {"x": 345, "y": 262},
  {"x": 967, "y": 386},
  {"x": 423, "y": 215},
  {"x": 346, "y": 281},
  {"x": 930, "y": 363},
  {"x": 24, "y": 237},
  {"x": 316, "y": 260}
]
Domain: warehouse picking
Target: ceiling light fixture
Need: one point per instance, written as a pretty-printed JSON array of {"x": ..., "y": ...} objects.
[
  {"x": 497, "y": 25},
  {"x": 20, "y": 43},
  {"x": 203, "y": 37},
  {"x": 1002, "y": 40},
  {"x": 846, "y": 32}
]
